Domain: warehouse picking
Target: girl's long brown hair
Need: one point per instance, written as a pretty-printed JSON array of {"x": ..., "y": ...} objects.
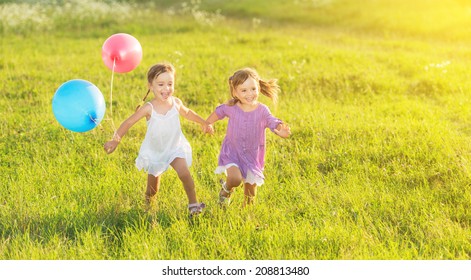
[
  {"x": 269, "y": 88},
  {"x": 154, "y": 72}
]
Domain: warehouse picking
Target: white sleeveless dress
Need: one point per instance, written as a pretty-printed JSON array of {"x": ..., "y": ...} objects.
[{"x": 164, "y": 142}]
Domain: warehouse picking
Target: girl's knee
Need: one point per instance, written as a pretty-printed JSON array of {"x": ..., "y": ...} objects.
[
  {"x": 233, "y": 181},
  {"x": 234, "y": 176}
]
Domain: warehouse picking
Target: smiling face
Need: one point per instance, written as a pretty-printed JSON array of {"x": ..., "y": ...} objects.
[
  {"x": 247, "y": 92},
  {"x": 163, "y": 86}
]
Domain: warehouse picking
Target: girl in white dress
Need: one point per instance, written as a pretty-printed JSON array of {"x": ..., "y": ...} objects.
[{"x": 164, "y": 144}]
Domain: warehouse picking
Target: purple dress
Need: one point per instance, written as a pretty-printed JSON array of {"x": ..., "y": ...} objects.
[{"x": 244, "y": 144}]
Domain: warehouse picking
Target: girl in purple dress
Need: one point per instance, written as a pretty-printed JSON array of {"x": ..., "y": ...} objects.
[{"x": 242, "y": 155}]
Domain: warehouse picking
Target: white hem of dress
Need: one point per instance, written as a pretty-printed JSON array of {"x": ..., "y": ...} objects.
[
  {"x": 251, "y": 178},
  {"x": 158, "y": 169}
]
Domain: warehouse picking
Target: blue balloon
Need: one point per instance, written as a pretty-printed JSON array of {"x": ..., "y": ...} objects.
[{"x": 78, "y": 105}]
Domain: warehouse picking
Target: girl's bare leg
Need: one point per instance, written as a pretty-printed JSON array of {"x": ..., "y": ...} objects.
[
  {"x": 233, "y": 180},
  {"x": 180, "y": 166},
  {"x": 153, "y": 185},
  {"x": 250, "y": 192}
]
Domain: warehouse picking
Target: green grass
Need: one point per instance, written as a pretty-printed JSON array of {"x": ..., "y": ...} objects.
[{"x": 377, "y": 167}]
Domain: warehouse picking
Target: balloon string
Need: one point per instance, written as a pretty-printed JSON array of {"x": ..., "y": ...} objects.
[{"x": 111, "y": 96}]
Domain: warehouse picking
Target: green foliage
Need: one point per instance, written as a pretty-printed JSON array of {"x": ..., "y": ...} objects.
[{"x": 377, "y": 167}]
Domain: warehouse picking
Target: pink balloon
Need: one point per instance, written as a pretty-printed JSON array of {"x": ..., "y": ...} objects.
[{"x": 124, "y": 49}]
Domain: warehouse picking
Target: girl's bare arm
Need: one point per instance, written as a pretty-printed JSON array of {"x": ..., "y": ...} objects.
[
  {"x": 111, "y": 145},
  {"x": 193, "y": 116},
  {"x": 212, "y": 118}
]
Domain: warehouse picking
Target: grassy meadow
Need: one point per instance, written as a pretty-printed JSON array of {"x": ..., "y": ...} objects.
[{"x": 377, "y": 96}]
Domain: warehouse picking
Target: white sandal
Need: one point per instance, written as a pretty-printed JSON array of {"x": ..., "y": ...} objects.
[
  {"x": 225, "y": 200},
  {"x": 196, "y": 208}
]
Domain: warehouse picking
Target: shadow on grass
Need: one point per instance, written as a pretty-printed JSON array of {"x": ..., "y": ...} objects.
[{"x": 110, "y": 225}]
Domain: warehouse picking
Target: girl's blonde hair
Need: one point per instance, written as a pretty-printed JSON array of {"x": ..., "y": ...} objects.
[
  {"x": 154, "y": 72},
  {"x": 268, "y": 88}
]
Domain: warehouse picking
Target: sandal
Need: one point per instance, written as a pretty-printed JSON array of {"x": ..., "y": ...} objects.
[
  {"x": 196, "y": 209},
  {"x": 225, "y": 200}
]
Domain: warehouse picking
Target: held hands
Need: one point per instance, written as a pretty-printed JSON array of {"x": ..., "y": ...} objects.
[
  {"x": 207, "y": 128},
  {"x": 283, "y": 130}
]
